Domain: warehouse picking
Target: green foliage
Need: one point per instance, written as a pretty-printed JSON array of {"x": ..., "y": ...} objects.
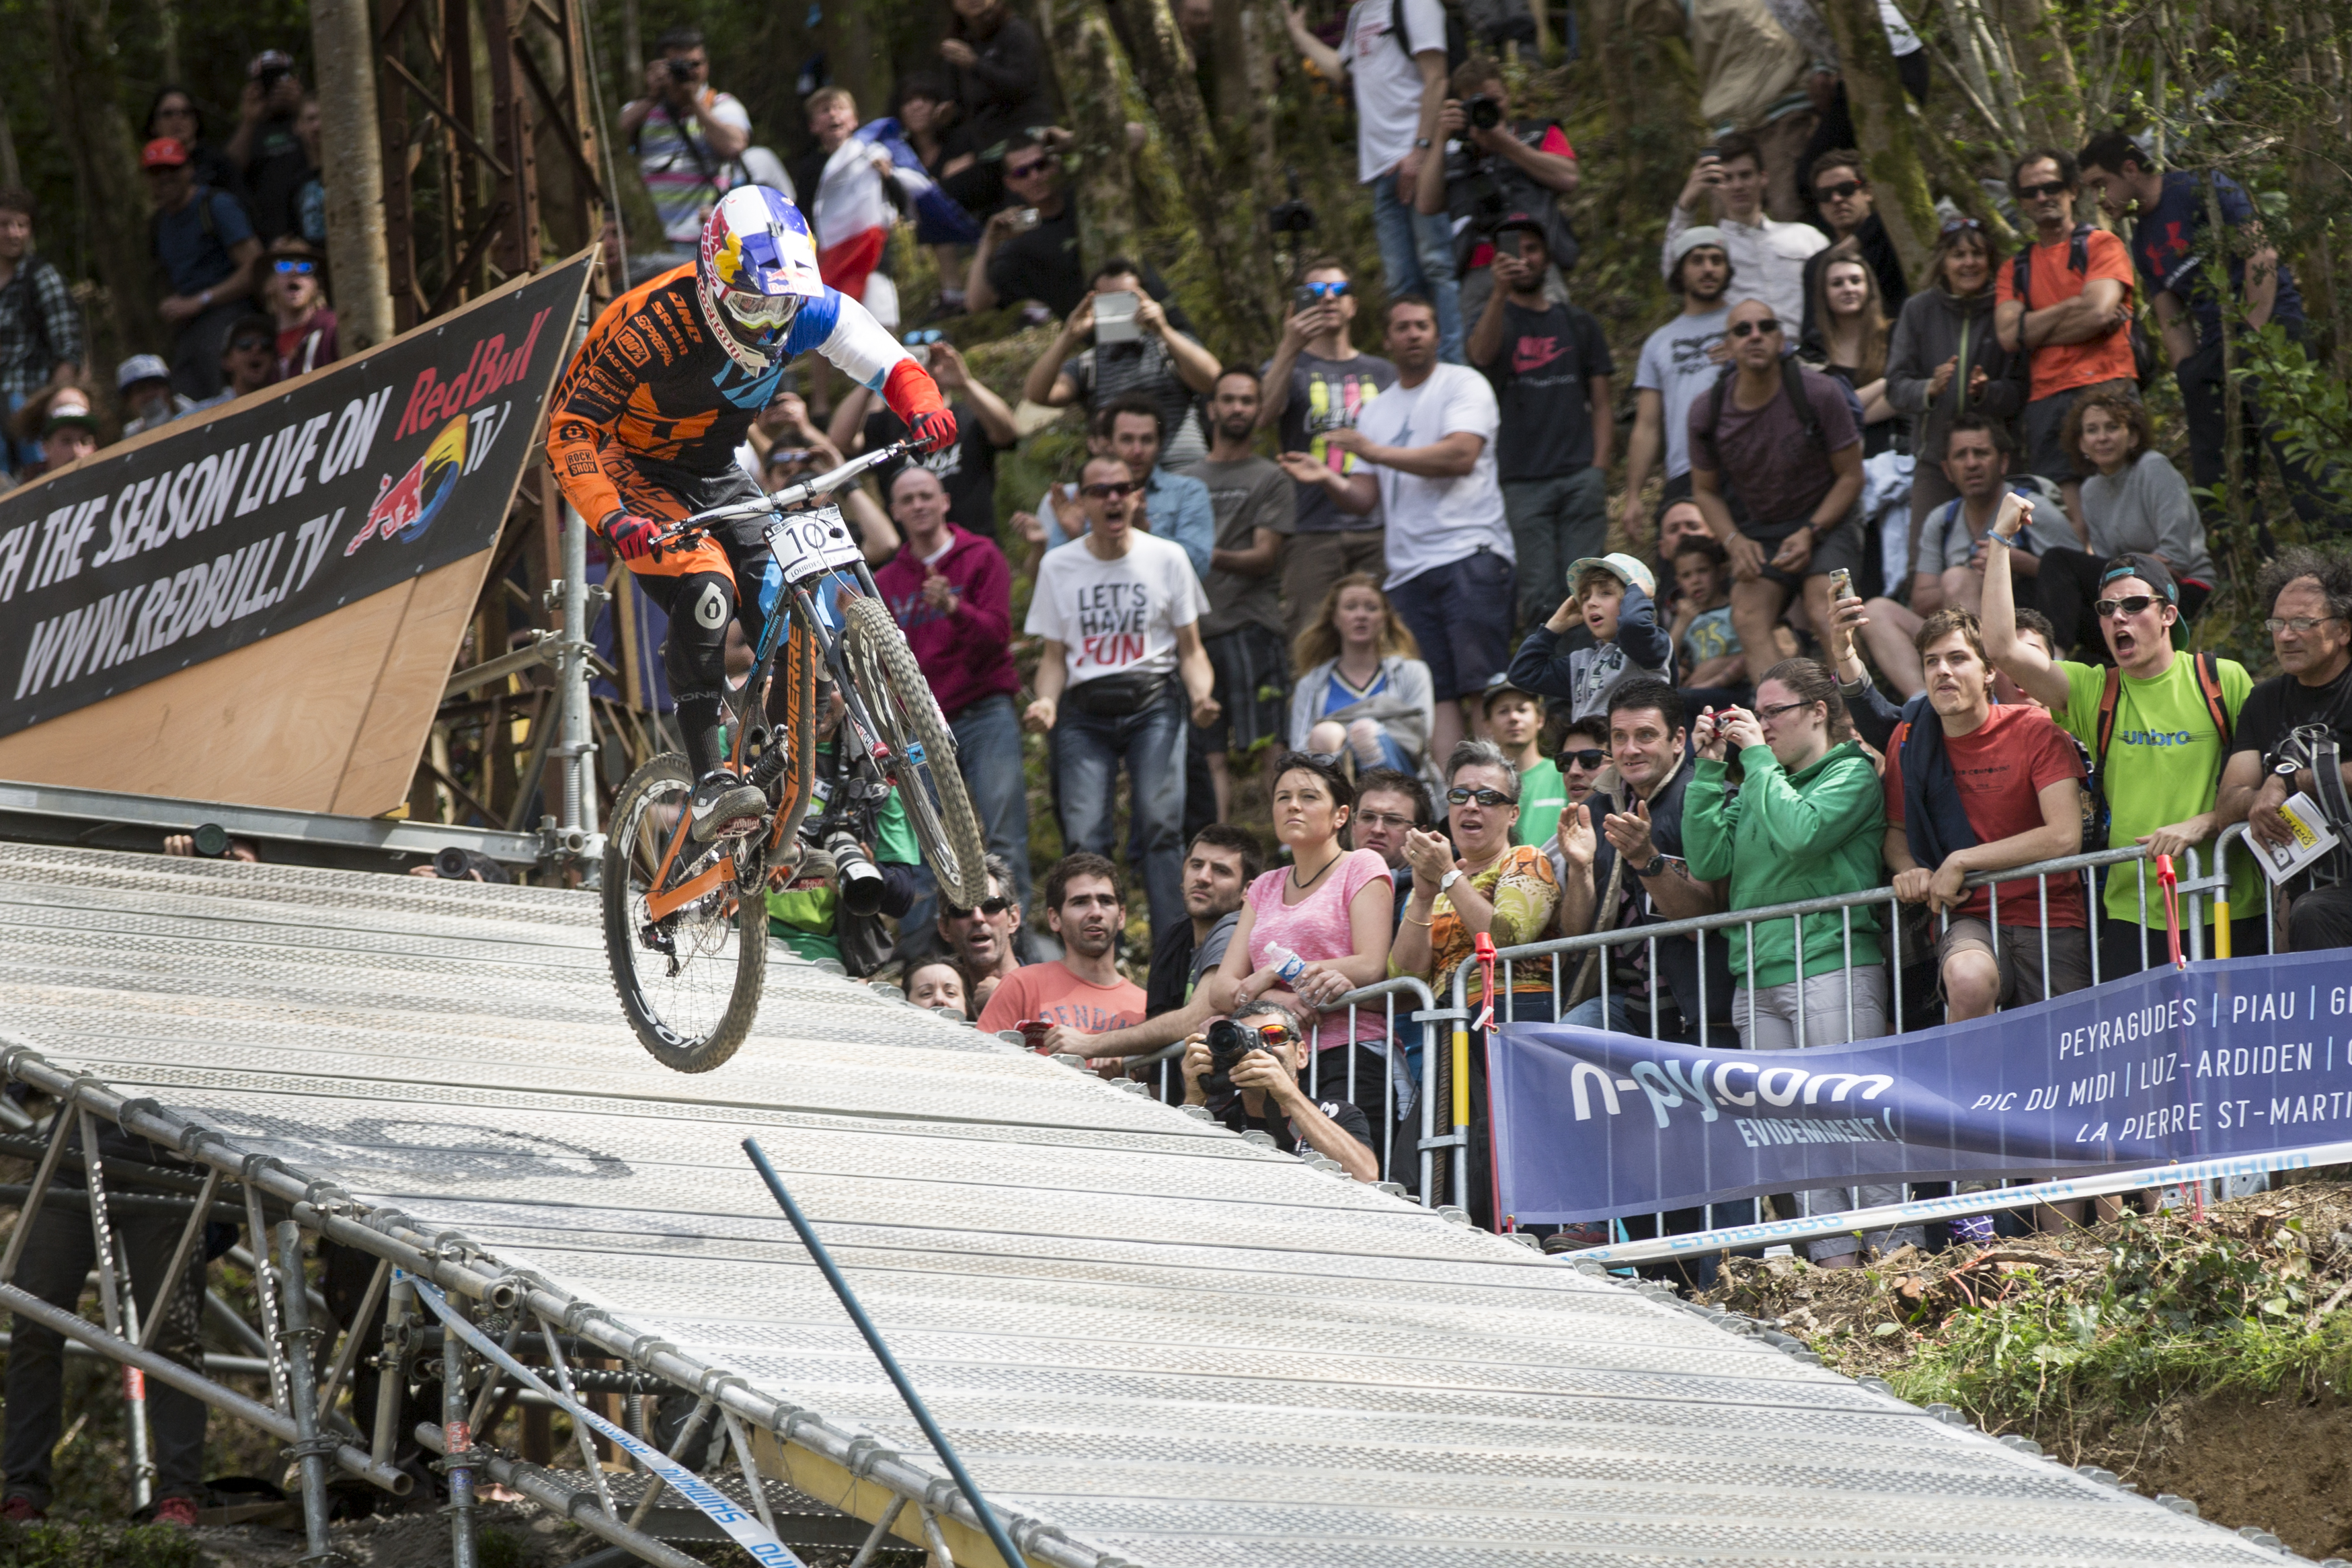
[
  {"x": 503, "y": 1549},
  {"x": 2174, "y": 1311},
  {"x": 2310, "y": 403},
  {"x": 88, "y": 1545}
]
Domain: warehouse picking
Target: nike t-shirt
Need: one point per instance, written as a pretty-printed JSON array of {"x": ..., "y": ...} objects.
[
  {"x": 2163, "y": 766},
  {"x": 1547, "y": 358}
]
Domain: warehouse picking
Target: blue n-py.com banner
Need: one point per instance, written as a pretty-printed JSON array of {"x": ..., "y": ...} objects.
[{"x": 2237, "y": 1056}]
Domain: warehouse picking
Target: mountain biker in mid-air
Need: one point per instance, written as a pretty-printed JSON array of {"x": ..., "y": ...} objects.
[{"x": 646, "y": 422}]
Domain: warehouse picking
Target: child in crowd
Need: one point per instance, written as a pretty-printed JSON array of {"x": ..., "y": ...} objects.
[
  {"x": 1612, "y": 598},
  {"x": 1702, "y": 633}
]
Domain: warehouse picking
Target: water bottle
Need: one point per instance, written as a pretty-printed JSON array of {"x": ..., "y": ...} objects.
[{"x": 1287, "y": 965}]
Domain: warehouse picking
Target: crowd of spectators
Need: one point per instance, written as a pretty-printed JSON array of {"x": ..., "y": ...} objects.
[
  {"x": 1891, "y": 592},
  {"x": 237, "y": 231}
]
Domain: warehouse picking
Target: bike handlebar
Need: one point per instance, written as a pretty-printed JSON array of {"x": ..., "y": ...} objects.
[{"x": 799, "y": 491}]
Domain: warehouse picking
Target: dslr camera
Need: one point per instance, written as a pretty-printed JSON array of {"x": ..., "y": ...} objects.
[
  {"x": 1483, "y": 111},
  {"x": 1229, "y": 1042}
]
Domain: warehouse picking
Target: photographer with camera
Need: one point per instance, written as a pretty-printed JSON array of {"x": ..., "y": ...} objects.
[
  {"x": 1244, "y": 1070},
  {"x": 685, "y": 134},
  {"x": 1494, "y": 166},
  {"x": 858, "y": 858},
  {"x": 265, "y": 149}
]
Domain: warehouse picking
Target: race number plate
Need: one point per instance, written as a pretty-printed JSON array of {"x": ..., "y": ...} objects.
[{"x": 810, "y": 543}]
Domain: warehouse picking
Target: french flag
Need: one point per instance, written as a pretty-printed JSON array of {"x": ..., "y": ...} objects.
[{"x": 855, "y": 204}]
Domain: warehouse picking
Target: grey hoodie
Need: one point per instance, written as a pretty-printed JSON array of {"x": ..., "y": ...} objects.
[{"x": 1928, "y": 333}]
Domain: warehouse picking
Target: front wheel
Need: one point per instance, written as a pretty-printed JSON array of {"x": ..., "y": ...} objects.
[
  {"x": 688, "y": 979},
  {"x": 923, "y": 750}
]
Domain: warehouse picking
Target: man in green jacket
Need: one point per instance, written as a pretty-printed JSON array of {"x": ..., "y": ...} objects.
[{"x": 1806, "y": 823}]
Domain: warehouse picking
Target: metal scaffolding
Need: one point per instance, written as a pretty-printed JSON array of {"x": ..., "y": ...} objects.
[{"x": 1154, "y": 1341}]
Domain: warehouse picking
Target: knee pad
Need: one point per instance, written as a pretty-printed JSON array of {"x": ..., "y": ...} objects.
[{"x": 701, "y": 609}]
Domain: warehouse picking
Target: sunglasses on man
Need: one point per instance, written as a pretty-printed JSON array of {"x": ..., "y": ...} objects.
[
  {"x": 1750, "y": 329},
  {"x": 1489, "y": 798},
  {"x": 1104, "y": 491},
  {"x": 1329, "y": 290},
  {"x": 991, "y": 907},
  {"x": 2129, "y": 605},
  {"x": 1840, "y": 191},
  {"x": 295, "y": 267},
  {"x": 1034, "y": 167},
  {"x": 1591, "y": 759},
  {"x": 2046, "y": 188},
  {"x": 249, "y": 345}
]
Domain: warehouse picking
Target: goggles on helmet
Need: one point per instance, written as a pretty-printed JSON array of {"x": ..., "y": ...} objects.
[{"x": 760, "y": 310}]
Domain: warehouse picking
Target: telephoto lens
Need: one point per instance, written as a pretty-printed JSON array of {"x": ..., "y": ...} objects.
[
  {"x": 451, "y": 865},
  {"x": 858, "y": 879}
]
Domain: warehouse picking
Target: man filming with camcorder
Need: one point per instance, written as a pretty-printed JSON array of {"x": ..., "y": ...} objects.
[
  {"x": 1494, "y": 167},
  {"x": 1245, "y": 1070}
]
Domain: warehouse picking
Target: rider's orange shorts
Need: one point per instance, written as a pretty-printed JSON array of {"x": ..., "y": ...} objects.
[{"x": 671, "y": 496}]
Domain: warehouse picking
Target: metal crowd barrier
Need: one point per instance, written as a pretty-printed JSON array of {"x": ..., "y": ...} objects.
[
  {"x": 2192, "y": 889},
  {"x": 1437, "y": 1074},
  {"x": 1167, "y": 1079}
]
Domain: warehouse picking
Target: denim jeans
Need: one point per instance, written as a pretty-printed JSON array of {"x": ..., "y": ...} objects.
[
  {"x": 1087, "y": 752},
  {"x": 1554, "y": 521},
  {"x": 1417, "y": 258},
  {"x": 988, "y": 754}
]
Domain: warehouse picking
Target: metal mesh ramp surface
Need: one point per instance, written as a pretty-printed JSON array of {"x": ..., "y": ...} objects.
[{"x": 1176, "y": 1348}]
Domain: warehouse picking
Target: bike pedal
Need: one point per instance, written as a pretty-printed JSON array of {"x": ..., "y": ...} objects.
[{"x": 739, "y": 828}]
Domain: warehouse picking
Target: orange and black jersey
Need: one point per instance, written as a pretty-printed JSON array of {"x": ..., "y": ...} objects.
[{"x": 650, "y": 383}]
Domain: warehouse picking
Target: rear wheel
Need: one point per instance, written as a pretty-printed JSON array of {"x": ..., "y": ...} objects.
[
  {"x": 922, "y": 748},
  {"x": 690, "y": 980}
]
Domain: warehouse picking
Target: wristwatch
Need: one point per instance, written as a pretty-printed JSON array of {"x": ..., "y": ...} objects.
[
  {"x": 1422, "y": 142},
  {"x": 1657, "y": 864},
  {"x": 1448, "y": 880}
]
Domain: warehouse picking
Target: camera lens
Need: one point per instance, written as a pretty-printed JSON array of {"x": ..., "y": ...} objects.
[
  {"x": 1484, "y": 112},
  {"x": 451, "y": 864},
  {"x": 856, "y": 875},
  {"x": 212, "y": 840}
]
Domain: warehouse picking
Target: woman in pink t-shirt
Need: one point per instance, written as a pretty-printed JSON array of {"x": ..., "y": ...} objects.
[{"x": 1331, "y": 906}]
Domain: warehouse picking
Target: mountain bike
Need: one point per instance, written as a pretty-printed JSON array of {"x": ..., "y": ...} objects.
[{"x": 685, "y": 923}]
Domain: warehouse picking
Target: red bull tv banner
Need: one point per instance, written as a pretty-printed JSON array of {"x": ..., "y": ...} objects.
[{"x": 228, "y": 526}]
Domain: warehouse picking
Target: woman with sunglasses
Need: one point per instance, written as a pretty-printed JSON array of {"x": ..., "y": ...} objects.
[
  {"x": 1486, "y": 883},
  {"x": 2135, "y": 502},
  {"x": 1364, "y": 688},
  {"x": 293, "y": 289},
  {"x": 1806, "y": 822},
  {"x": 1944, "y": 360},
  {"x": 172, "y": 113}
]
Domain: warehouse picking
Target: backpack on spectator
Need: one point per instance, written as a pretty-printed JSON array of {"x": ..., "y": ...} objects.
[
  {"x": 2208, "y": 683},
  {"x": 2144, "y": 361},
  {"x": 1458, "y": 36}
]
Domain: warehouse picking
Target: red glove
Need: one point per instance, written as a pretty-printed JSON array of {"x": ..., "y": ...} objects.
[
  {"x": 631, "y": 538},
  {"x": 914, "y": 397},
  {"x": 935, "y": 431}
]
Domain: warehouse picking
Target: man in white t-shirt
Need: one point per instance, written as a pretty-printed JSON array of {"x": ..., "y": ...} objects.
[
  {"x": 1428, "y": 447},
  {"x": 1400, "y": 89},
  {"x": 1767, "y": 256},
  {"x": 1121, "y": 670},
  {"x": 1679, "y": 361}
]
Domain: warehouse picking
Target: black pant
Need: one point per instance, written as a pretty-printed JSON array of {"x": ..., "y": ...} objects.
[
  {"x": 2119, "y": 942},
  {"x": 2067, "y": 588},
  {"x": 56, "y": 1260},
  {"x": 2321, "y": 918},
  {"x": 2204, "y": 404}
]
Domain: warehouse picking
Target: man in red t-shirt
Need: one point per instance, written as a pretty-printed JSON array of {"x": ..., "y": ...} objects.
[
  {"x": 2016, "y": 780},
  {"x": 1086, "y": 907},
  {"x": 2073, "y": 319}
]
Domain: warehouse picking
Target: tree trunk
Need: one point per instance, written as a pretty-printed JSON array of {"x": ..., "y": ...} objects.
[
  {"x": 350, "y": 144},
  {"x": 2050, "y": 98},
  {"x": 1223, "y": 217},
  {"x": 97, "y": 137},
  {"x": 1077, "y": 37},
  {"x": 1881, "y": 122}
]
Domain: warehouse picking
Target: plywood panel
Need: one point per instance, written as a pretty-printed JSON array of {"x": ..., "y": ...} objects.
[{"x": 328, "y": 716}]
